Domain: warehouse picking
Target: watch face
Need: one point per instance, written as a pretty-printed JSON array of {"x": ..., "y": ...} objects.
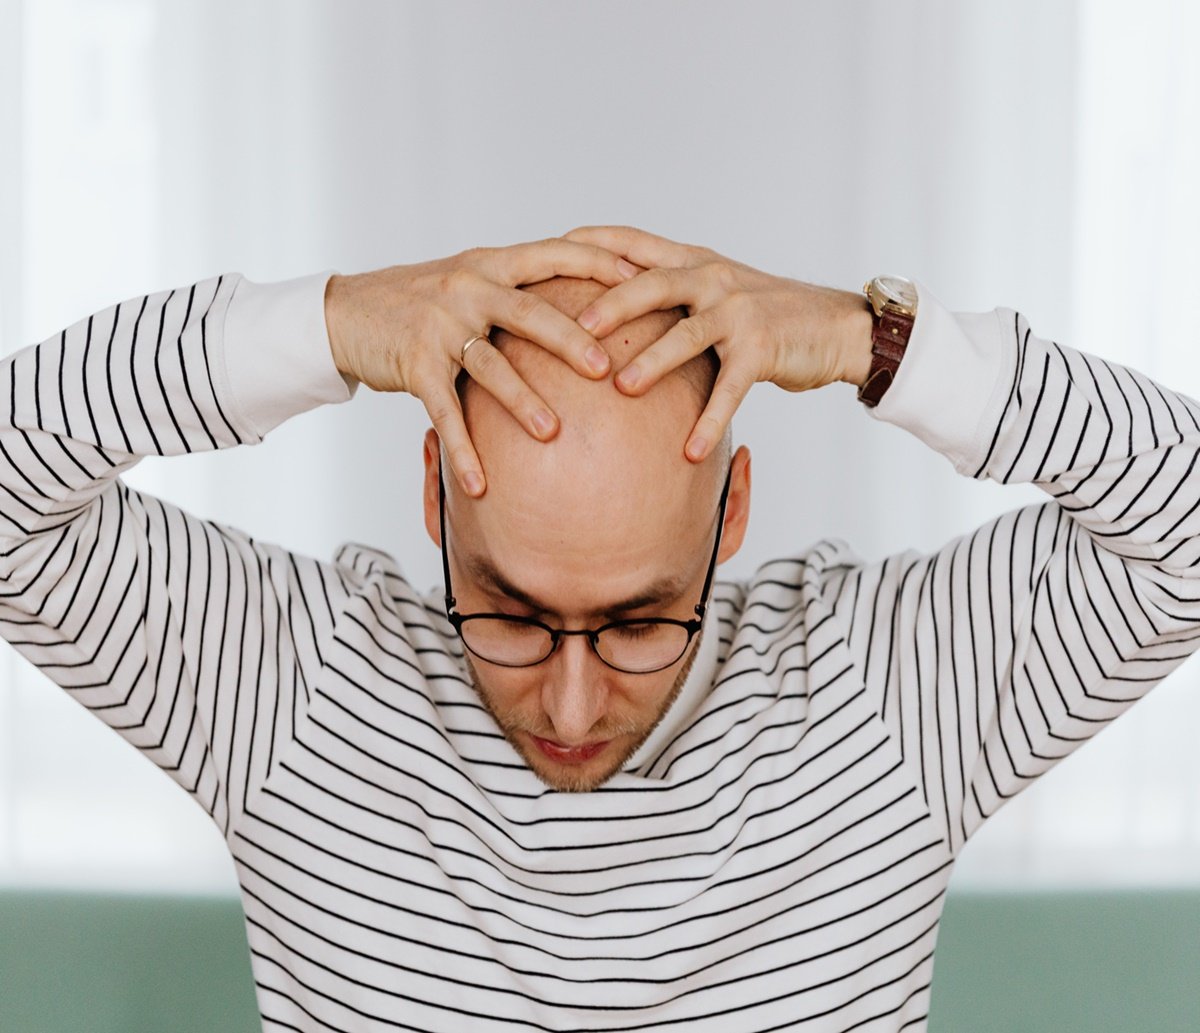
[{"x": 897, "y": 290}]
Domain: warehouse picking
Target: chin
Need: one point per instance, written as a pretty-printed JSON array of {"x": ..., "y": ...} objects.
[
  {"x": 578, "y": 777},
  {"x": 571, "y": 780}
]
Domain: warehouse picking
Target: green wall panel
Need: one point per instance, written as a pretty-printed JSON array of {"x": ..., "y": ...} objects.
[{"x": 1052, "y": 962}]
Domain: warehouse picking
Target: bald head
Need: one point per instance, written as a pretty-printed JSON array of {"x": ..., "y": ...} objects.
[
  {"x": 577, "y": 399},
  {"x": 615, "y": 478}
]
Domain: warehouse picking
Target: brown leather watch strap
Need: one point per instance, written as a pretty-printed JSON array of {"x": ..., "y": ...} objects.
[{"x": 888, "y": 341}]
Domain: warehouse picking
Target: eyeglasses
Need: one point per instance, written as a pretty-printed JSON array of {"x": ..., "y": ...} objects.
[{"x": 638, "y": 645}]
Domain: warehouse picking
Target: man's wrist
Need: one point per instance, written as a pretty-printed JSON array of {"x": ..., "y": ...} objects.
[
  {"x": 854, "y": 333},
  {"x": 335, "y": 292},
  {"x": 277, "y": 355}
]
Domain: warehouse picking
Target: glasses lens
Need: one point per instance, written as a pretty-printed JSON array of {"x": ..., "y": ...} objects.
[
  {"x": 511, "y": 643},
  {"x": 642, "y": 647}
]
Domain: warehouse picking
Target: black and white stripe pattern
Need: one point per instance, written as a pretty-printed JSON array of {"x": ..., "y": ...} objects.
[{"x": 779, "y": 864}]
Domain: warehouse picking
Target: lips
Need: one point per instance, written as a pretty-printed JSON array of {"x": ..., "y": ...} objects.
[{"x": 569, "y": 754}]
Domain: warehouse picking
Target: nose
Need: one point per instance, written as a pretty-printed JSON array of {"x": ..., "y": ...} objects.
[{"x": 574, "y": 694}]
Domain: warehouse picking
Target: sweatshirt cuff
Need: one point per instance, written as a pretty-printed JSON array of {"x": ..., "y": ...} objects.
[
  {"x": 953, "y": 382},
  {"x": 277, "y": 355}
]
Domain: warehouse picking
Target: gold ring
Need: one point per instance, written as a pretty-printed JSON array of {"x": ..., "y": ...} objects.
[{"x": 462, "y": 355}]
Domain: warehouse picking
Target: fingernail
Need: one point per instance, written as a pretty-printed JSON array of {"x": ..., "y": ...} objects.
[
  {"x": 696, "y": 447},
  {"x": 629, "y": 376},
  {"x": 590, "y": 319},
  {"x": 596, "y": 358},
  {"x": 473, "y": 483},
  {"x": 543, "y": 421},
  {"x": 626, "y": 269}
]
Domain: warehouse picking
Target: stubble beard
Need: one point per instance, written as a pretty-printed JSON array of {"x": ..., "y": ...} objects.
[{"x": 567, "y": 778}]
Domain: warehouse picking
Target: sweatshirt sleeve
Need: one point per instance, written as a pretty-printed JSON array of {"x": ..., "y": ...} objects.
[
  {"x": 997, "y": 656},
  {"x": 175, "y": 631}
]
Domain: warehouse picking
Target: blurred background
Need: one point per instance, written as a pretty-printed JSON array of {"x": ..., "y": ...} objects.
[{"x": 1041, "y": 156}]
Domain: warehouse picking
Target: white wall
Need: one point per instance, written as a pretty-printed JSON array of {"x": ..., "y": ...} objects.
[{"x": 831, "y": 140}]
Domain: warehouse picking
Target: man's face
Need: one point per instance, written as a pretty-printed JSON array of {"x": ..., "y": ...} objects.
[
  {"x": 608, "y": 521},
  {"x": 574, "y": 719}
]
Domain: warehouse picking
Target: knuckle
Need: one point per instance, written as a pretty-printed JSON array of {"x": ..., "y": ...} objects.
[
  {"x": 734, "y": 385},
  {"x": 441, "y": 410},
  {"x": 459, "y": 281},
  {"x": 439, "y": 284},
  {"x": 732, "y": 388},
  {"x": 659, "y": 281},
  {"x": 723, "y": 275},
  {"x": 695, "y": 330},
  {"x": 486, "y": 260},
  {"x": 525, "y": 306},
  {"x": 738, "y": 303},
  {"x": 417, "y": 376}
]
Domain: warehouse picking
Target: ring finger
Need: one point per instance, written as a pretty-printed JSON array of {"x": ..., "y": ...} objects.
[
  {"x": 494, "y": 373},
  {"x": 526, "y": 315}
]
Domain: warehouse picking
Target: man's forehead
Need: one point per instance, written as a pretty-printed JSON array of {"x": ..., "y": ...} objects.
[
  {"x": 565, "y": 540},
  {"x": 650, "y": 591}
]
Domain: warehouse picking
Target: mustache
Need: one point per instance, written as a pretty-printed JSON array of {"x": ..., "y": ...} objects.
[
  {"x": 512, "y": 721},
  {"x": 608, "y": 728}
]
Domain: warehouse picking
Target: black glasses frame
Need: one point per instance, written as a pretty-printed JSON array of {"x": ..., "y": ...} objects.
[{"x": 592, "y": 634}]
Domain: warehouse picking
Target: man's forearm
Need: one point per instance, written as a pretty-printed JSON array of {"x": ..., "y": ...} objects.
[
  {"x": 208, "y": 366},
  {"x": 1005, "y": 405},
  {"x": 89, "y": 402}
]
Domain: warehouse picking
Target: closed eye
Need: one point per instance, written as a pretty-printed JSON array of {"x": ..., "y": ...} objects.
[{"x": 633, "y": 632}]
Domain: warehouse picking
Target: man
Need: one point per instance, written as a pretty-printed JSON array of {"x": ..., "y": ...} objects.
[
  {"x": 607, "y": 522},
  {"x": 767, "y": 784}
]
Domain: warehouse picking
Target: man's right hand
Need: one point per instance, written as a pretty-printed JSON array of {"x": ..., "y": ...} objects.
[
  {"x": 764, "y": 328},
  {"x": 403, "y": 329}
]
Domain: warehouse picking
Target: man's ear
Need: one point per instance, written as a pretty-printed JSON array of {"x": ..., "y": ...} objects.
[
  {"x": 737, "y": 505},
  {"x": 433, "y": 465}
]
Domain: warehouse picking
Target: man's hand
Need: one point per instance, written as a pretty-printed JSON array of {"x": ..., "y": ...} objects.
[
  {"x": 403, "y": 329},
  {"x": 763, "y": 327}
]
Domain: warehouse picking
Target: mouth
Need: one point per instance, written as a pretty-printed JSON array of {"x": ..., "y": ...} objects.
[{"x": 569, "y": 754}]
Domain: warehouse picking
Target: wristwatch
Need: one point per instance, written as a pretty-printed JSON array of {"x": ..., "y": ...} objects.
[{"x": 893, "y": 299}]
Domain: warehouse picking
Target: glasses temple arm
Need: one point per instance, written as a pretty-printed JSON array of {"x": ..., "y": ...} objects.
[
  {"x": 712, "y": 563},
  {"x": 450, "y": 600}
]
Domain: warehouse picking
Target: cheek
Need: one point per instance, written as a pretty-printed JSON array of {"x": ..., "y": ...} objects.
[
  {"x": 508, "y": 688},
  {"x": 644, "y": 694}
]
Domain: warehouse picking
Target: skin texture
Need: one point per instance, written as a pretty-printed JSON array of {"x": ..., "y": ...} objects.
[
  {"x": 403, "y": 329},
  {"x": 606, "y": 512},
  {"x": 764, "y": 328}
]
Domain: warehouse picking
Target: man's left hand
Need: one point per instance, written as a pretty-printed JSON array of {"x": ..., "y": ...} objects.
[{"x": 763, "y": 328}]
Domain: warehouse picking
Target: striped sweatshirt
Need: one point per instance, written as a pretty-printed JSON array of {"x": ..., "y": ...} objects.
[{"x": 774, "y": 857}]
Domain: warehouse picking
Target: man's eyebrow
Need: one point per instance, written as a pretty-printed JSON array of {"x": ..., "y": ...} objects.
[{"x": 662, "y": 590}]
